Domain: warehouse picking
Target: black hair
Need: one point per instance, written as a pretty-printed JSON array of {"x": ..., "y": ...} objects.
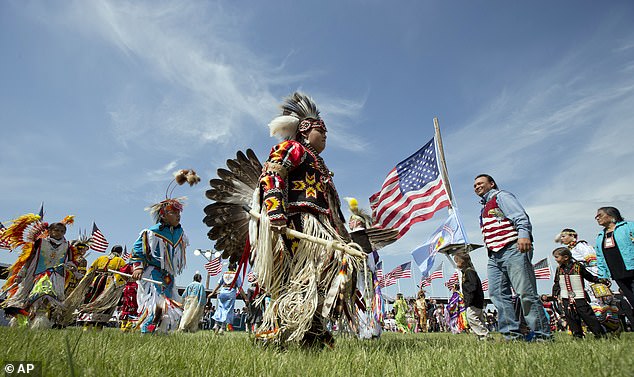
[
  {"x": 54, "y": 225},
  {"x": 490, "y": 179},
  {"x": 117, "y": 249},
  {"x": 612, "y": 212},
  {"x": 563, "y": 251},
  {"x": 198, "y": 277}
]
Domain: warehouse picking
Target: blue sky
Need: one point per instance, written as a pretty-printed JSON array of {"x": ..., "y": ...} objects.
[{"x": 100, "y": 101}]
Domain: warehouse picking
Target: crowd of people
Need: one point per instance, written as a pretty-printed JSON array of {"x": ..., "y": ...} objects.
[{"x": 314, "y": 275}]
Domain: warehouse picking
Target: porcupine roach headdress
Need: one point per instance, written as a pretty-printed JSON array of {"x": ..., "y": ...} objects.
[
  {"x": 173, "y": 204},
  {"x": 23, "y": 232},
  {"x": 81, "y": 245},
  {"x": 299, "y": 114}
]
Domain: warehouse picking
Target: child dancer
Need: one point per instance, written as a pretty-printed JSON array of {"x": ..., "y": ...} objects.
[{"x": 568, "y": 287}]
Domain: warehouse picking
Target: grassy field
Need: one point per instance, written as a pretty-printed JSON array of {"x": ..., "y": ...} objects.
[{"x": 112, "y": 353}]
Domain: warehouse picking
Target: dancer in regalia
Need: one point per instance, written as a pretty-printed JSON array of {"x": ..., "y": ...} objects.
[
  {"x": 129, "y": 306},
  {"x": 581, "y": 251},
  {"x": 369, "y": 303},
  {"x": 229, "y": 286},
  {"x": 194, "y": 305},
  {"x": 568, "y": 287},
  {"x": 402, "y": 308},
  {"x": 81, "y": 245},
  {"x": 457, "y": 311},
  {"x": 36, "y": 283},
  {"x": 310, "y": 284},
  {"x": 104, "y": 292},
  {"x": 159, "y": 255},
  {"x": 420, "y": 309}
]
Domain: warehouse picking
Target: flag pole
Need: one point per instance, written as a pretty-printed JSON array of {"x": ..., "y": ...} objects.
[{"x": 442, "y": 163}]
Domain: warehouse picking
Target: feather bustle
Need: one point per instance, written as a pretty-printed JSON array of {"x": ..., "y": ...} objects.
[{"x": 230, "y": 192}]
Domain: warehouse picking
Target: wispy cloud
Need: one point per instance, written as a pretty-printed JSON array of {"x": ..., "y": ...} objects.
[
  {"x": 160, "y": 173},
  {"x": 214, "y": 86},
  {"x": 564, "y": 103}
]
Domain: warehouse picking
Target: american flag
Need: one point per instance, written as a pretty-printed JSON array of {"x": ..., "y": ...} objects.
[
  {"x": 379, "y": 271},
  {"x": 485, "y": 285},
  {"x": 387, "y": 280},
  {"x": 251, "y": 277},
  {"x": 99, "y": 242},
  {"x": 425, "y": 282},
  {"x": 125, "y": 255},
  {"x": 452, "y": 280},
  {"x": 413, "y": 191},
  {"x": 3, "y": 243},
  {"x": 542, "y": 270},
  {"x": 437, "y": 274},
  {"x": 402, "y": 271},
  {"x": 214, "y": 266}
]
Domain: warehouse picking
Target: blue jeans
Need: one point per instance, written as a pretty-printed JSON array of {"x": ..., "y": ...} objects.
[{"x": 511, "y": 268}]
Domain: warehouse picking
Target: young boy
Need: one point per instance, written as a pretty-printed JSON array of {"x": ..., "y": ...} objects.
[
  {"x": 473, "y": 295},
  {"x": 568, "y": 287}
]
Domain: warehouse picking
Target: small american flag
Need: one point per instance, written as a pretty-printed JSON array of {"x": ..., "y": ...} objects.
[
  {"x": 99, "y": 242},
  {"x": 542, "y": 270},
  {"x": 214, "y": 266},
  {"x": 437, "y": 274},
  {"x": 402, "y": 271},
  {"x": 387, "y": 280},
  {"x": 485, "y": 285},
  {"x": 425, "y": 282},
  {"x": 413, "y": 191},
  {"x": 452, "y": 280},
  {"x": 379, "y": 271},
  {"x": 251, "y": 277},
  {"x": 3, "y": 243},
  {"x": 126, "y": 255}
]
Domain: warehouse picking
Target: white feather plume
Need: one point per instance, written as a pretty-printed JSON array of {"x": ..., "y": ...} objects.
[{"x": 284, "y": 126}]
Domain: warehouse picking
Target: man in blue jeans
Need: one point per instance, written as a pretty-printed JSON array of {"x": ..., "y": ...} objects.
[{"x": 506, "y": 229}]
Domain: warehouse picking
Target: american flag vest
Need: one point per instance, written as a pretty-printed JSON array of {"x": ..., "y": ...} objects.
[{"x": 497, "y": 230}]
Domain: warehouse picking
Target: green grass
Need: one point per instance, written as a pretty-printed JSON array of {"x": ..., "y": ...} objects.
[{"x": 112, "y": 353}]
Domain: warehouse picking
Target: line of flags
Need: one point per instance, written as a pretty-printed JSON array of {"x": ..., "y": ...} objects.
[
  {"x": 542, "y": 272},
  {"x": 402, "y": 271}
]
